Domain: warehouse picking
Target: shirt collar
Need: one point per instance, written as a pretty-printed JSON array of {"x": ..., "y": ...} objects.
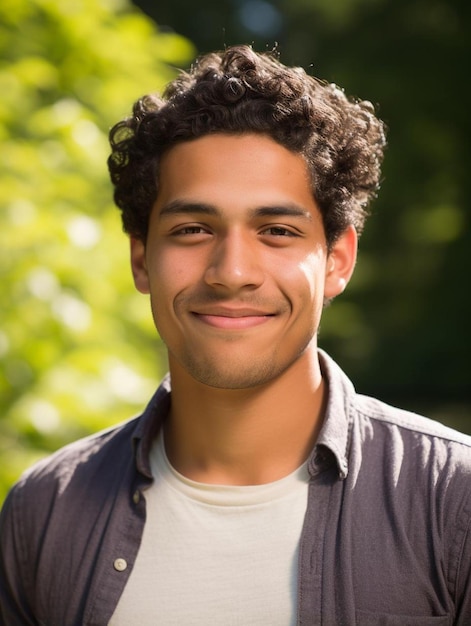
[
  {"x": 332, "y": 443},
  {"x": 334, "y": 437},
  {"x": 149, "y": 425}
]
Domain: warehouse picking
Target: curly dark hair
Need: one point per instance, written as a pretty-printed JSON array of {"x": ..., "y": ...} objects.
[{"x": 241, "y": 91}]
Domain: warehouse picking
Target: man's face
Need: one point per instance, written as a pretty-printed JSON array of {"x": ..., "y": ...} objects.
[{"x": 236, "y": 260}]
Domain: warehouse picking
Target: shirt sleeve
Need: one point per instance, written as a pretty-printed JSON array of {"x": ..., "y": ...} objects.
[
  {"x": 463, "y": 579},
  {"x": 15, "y": 577}
]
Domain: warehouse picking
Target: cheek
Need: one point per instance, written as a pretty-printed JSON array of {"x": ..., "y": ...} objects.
[
  {"x": 178, "y": 263},
  {"x": 167, "y": 272},
  {"x": 162, "y": 278},
  {"x": 309, "y": 277},
  {"x": 171, "y": 276}
]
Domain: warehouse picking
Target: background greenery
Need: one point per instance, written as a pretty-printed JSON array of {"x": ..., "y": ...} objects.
[{"x": 77, "y": 347}]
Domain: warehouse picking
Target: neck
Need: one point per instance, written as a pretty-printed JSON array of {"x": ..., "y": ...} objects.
[{"x": 245, "y": 436}]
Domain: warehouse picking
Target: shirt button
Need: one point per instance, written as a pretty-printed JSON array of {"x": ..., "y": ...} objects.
[
  {"x": 319, "y": 458},
  {"x": 136, "y": 497},
  {"x": 120, "y": 565}
]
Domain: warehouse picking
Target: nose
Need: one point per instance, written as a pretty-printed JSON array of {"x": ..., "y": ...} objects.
[{"x": 234, "y": 264}]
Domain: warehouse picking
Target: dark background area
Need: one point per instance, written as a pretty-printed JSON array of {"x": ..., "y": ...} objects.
[{"x": 402, "y": 329}]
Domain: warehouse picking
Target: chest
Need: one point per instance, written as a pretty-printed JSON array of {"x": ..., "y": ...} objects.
[{"x": 226, "y": 560}]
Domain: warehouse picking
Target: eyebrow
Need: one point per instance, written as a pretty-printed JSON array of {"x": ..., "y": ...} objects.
[
  {"x": 285, "y": 210},
  {"x": 184, "y": 207}
]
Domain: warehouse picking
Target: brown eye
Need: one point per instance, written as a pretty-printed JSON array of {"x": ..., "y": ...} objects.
[
  {"x": 191, "y": 229},
  {"x": 279, "y": 231}
]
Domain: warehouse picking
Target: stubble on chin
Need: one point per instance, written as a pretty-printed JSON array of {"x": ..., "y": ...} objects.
[
  {"x": 236, "y": 373},
  {"x": 230, "y": 378}
]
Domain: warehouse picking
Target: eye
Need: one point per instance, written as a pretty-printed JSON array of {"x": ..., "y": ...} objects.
[
  {"x": 279, "y": 231},
  {"x": 190, "y": 229}
]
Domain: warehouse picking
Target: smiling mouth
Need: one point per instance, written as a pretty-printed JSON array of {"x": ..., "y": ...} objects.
[{"x": 234, "y": 320}]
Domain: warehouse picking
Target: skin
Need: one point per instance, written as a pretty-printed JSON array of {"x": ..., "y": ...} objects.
[{"x": 237, "y": 268}]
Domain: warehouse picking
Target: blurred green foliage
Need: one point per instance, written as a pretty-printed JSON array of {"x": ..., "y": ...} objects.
[{"x": 77, "y": 347}]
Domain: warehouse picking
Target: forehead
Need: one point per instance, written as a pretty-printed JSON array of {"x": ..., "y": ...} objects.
[{"x": 224, "y": 170}]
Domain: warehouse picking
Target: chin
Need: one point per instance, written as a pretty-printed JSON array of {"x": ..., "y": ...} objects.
[{"x": 235, "y": 377}]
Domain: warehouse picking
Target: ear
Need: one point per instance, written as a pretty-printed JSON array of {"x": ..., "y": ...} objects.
[
  {"x": 139, "y": 265},
  {"x": 340, "y": 263}
]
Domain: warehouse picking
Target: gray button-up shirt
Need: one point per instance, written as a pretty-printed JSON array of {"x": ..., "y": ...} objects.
[{"x": 386, "y": 538}]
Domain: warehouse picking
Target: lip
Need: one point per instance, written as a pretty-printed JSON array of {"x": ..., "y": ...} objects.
[{"x": 232, "y": 318}]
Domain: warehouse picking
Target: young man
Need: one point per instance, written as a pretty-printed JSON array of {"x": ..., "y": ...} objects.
[{"x": 260, "y": 490}]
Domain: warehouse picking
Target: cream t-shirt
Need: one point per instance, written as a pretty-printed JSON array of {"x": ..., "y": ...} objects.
[{"x": 216, "y": 554}]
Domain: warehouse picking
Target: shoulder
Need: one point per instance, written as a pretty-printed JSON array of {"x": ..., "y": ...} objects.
[
  {"x": 60, "y": 479},
  {"x": 372, "y": 436},
  {"x": 413, "y": 454},
  {"x": 409, "y": 425},
  {"x": 85, "y": 455},
  {"x": 92, "y": 468}
]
